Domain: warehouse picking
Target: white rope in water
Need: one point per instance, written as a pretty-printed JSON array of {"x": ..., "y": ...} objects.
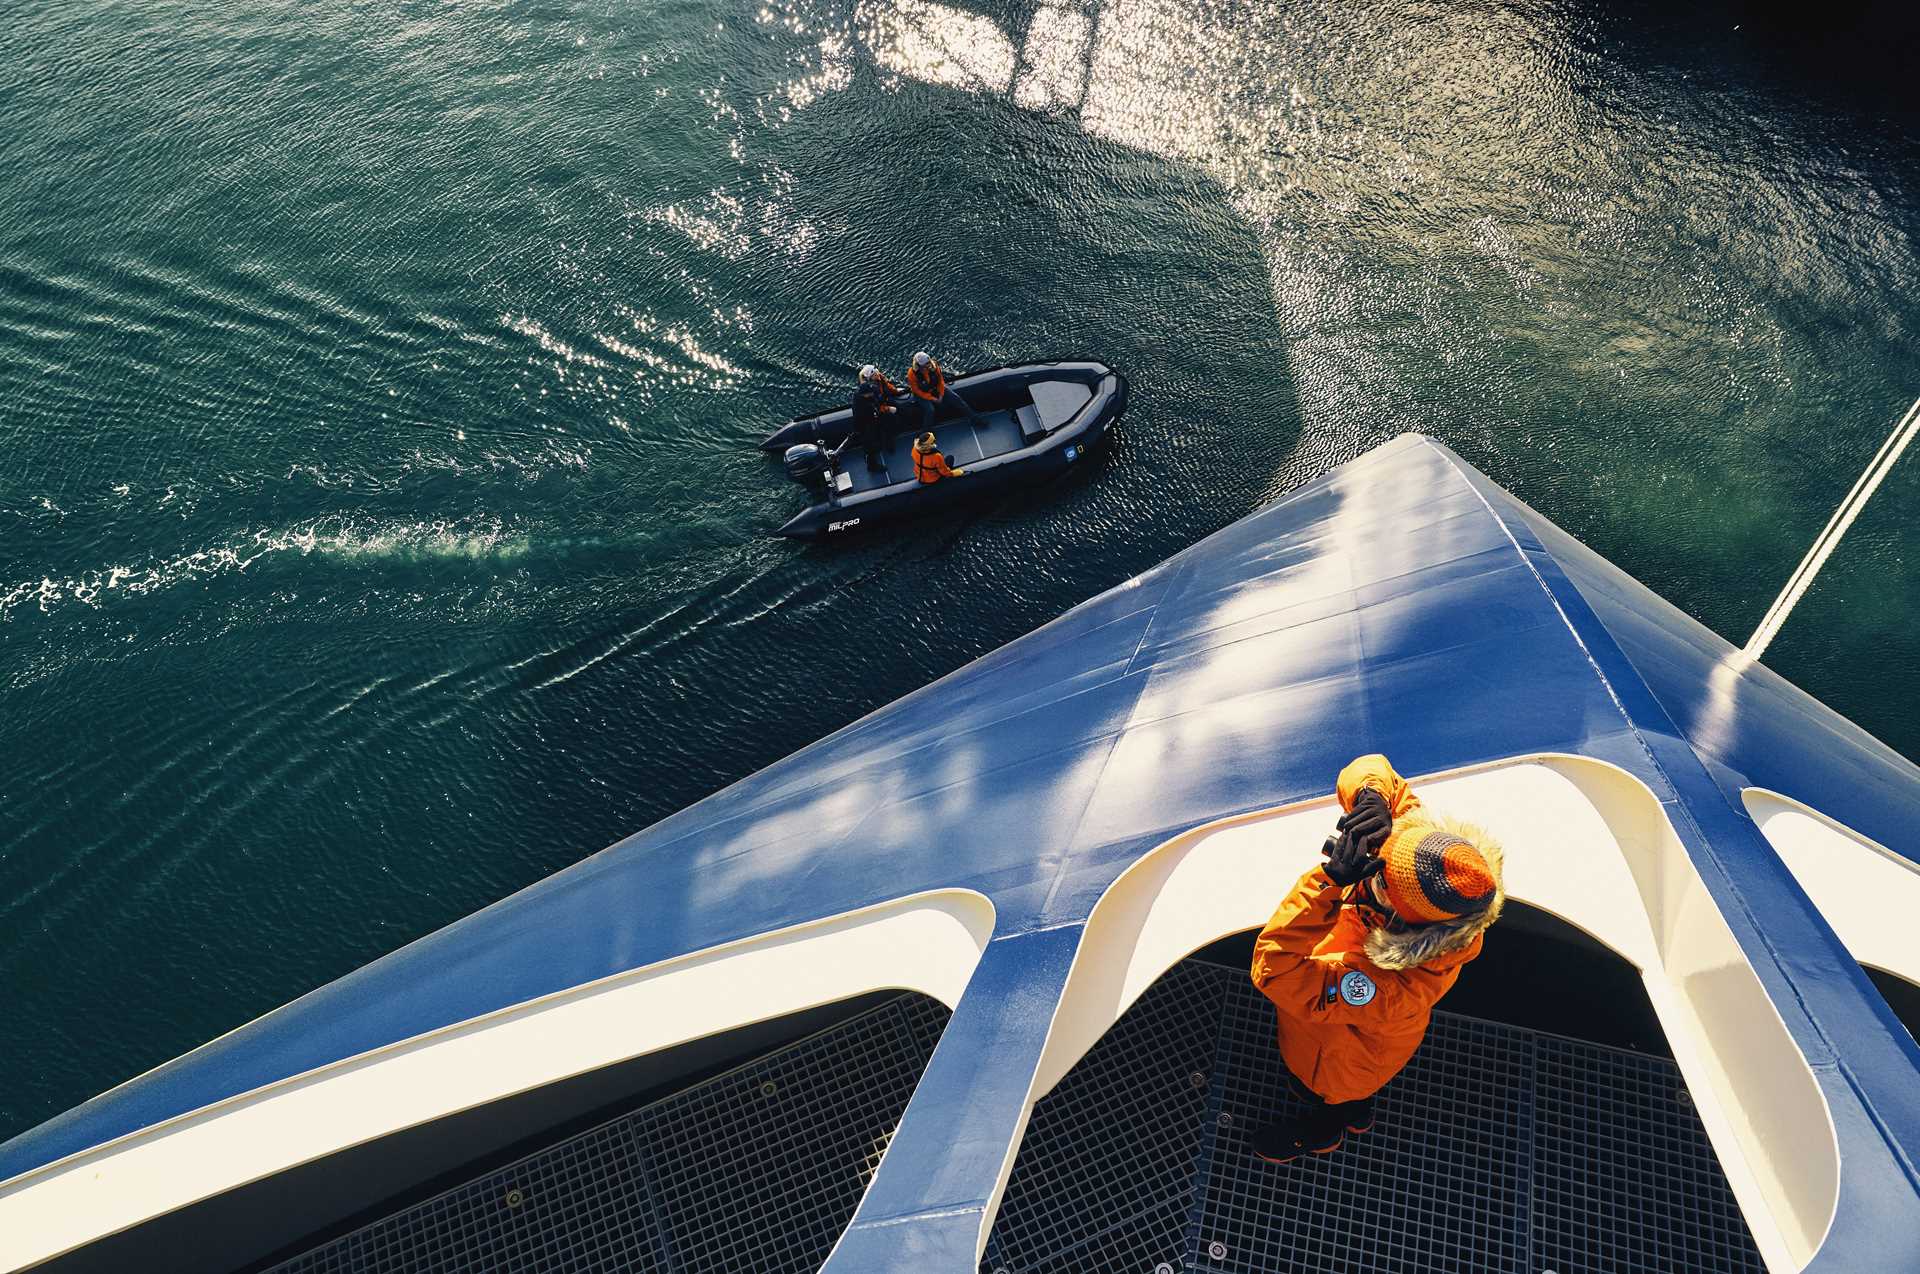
[{"x": 1890, "y": 451}]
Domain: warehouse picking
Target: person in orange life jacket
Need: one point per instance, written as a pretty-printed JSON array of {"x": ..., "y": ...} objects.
[
  {"x": 876, "y": 406},
  {"x": 928, "y": 464},
  {"x": 1365, "y": 945},
  {"x": 929, "y": 385}
]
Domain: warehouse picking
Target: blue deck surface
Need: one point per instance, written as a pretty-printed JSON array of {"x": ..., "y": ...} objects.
[{"x": 1403, "y": 603}]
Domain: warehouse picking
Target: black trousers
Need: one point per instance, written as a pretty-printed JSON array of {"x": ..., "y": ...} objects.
[
  {"x": 873, "y": 436},
  {"x": 1320, "y": 1110}
]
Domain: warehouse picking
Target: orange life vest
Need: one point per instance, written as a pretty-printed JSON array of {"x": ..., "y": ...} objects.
[
  {"x": 930, "y": 466},
  {"x": 930, "y": 387}
]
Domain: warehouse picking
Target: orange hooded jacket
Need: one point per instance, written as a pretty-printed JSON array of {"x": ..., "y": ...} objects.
[{"x": 1354, "y": 1002}]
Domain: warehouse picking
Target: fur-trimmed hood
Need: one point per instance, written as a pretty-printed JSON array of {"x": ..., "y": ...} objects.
[{"x": 1409, "y": 946}]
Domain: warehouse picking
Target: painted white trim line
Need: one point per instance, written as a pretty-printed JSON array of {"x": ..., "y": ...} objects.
[
  {"x": 1856, "y": 882},
  {"x": 927, "y": 942},
  {"x": 1585, "y": 841}
]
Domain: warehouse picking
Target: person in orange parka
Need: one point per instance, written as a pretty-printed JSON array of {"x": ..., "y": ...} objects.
[{"x": 1356, "y": 957}]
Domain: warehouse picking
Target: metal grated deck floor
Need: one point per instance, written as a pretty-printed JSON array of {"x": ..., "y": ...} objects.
[
  {"x": 758, "y": 1169},
  {"x": 1497, "y": 1149}
]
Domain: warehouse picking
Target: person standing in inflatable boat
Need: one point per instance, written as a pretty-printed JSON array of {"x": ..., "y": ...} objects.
[
  {"x": 1365, "y": 945},
  {"x": 876, "y": 405}
]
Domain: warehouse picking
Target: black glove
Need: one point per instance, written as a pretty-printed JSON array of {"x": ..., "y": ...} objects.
[
  {"x": 1369, "y": 822},
  {"x": 1350, "y": 860}
]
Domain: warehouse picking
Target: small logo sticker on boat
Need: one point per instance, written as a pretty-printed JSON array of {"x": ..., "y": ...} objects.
[
  {"x": 1356, "y": 988},
  {"x": 1071, "y": 453},
  {"x": 843, "y": 526}
]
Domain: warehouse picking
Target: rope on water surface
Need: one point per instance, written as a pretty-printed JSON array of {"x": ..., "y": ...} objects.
[{"x": 1890, "y": 452}]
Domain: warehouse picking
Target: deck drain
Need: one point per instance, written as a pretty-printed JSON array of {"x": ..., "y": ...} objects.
[
  {"x": 1217, "y": 1250},
  {"x": 1198, "y": 1080},
  {"x": 515, "y": 1198}
]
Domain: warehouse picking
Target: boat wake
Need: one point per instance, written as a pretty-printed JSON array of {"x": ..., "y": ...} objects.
[{"x": 338, "y": 538}]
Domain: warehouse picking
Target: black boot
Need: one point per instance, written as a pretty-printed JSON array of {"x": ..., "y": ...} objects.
[
  {"x": 1319, "y": 1131},
  {"x": 1355, "y": 1116}
]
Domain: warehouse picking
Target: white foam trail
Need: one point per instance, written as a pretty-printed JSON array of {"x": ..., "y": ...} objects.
[{"x": 340, "y": 539}]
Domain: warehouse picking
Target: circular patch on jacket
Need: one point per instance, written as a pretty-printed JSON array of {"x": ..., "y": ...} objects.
[{"x": 1356, "y": 988}]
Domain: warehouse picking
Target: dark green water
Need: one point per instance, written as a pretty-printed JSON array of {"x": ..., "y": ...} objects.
[{"x": 380, "y": 528}]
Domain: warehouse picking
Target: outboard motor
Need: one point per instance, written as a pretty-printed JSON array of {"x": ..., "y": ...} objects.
[{"x": 807, "y": 463}]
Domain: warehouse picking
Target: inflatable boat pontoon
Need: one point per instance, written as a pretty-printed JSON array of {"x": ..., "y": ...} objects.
[{"x": 1041, "y": 420}]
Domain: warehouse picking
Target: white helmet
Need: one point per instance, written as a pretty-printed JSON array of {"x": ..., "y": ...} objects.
[
  {"x": 869, "y": 372},
  {"x": 922, "y": 359}
]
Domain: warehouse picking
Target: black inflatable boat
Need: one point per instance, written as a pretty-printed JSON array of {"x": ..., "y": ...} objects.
[{"x": 1041, "y": 420}]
